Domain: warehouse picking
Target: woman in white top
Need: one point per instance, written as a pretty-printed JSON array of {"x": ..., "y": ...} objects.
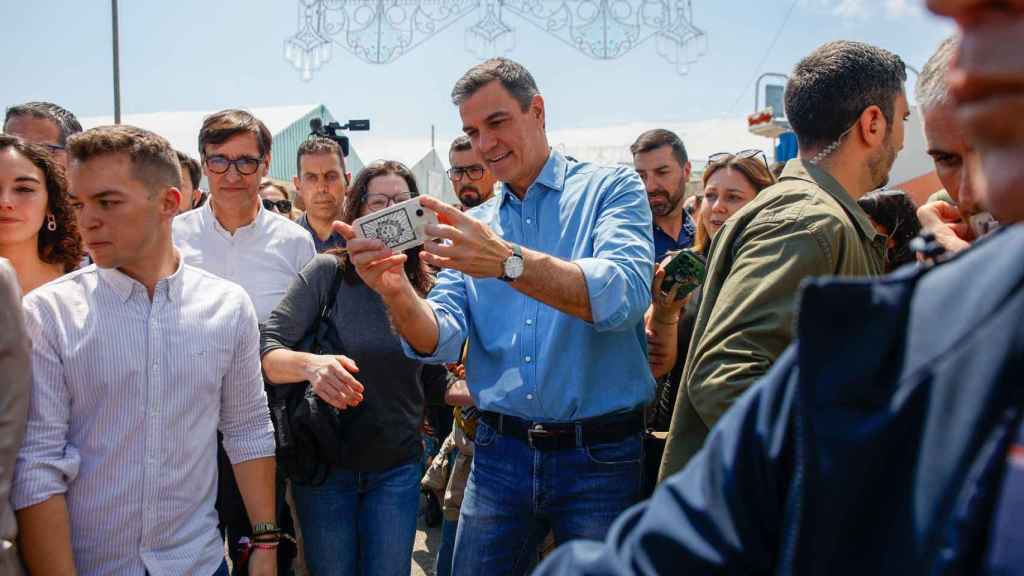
[{"x": 38, "y": 233}]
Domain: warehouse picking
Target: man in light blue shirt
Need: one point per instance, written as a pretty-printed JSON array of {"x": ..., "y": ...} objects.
[{"x": 548, "y": 281}]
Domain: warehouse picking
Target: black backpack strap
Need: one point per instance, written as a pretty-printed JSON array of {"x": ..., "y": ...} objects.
[{"x": 323, "y": 320}]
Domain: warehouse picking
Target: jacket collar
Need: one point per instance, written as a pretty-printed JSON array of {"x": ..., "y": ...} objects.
[{"x": 798, "y": 169}]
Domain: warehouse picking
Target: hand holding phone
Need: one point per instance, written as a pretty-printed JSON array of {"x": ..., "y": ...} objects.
[{"x": 687, "y": 270}]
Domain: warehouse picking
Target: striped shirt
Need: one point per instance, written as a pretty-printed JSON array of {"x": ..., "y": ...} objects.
[{"x": 127, "y": 398}]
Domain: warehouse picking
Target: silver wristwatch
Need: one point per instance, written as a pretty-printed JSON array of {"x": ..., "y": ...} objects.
[{"x": 512, "y": 268}]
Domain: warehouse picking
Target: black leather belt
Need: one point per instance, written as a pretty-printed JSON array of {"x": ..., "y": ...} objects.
[{"x": 565, "y": 435}]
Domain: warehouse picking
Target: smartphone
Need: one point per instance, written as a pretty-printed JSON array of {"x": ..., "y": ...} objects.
[
  {"x": 686, "y": 269},
  {"x": 400, "y": 227}
]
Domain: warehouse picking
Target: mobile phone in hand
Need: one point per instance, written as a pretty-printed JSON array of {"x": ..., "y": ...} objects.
[
  {"x": 400, "y": 227},
  {"x": 686, "y": 269}
]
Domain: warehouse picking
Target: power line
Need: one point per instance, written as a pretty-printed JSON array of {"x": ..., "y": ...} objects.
[{"x": 778, "y": 34}]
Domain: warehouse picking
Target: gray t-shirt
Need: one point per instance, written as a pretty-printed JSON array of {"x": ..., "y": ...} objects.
[{"x": 385, "y": 432}]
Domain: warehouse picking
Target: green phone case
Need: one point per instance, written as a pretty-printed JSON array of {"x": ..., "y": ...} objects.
[{"x": 687, "y": 269}]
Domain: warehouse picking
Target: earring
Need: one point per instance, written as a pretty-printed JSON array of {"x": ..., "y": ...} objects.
[{"x": 51, "y": 223}]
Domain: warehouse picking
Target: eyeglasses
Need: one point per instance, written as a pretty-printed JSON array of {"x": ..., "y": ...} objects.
[
  {"x": 381, "y": 201},
  {"x": 245, "y": 165},
  {"x": 722, "y": 157},
  {"x": 475, "y": 172},
  {"x": 279, "y": 206},
  {"x": 54, "y": 148}
]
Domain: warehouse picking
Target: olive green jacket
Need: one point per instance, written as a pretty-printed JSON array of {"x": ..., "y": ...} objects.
[{"x": 806, "y": 225}]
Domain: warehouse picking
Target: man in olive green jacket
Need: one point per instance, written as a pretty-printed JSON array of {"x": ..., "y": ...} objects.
[{"x": 847, "y": 105}]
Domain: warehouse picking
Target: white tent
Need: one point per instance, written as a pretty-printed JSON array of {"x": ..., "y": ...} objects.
[{"x": 431, "y": 178}]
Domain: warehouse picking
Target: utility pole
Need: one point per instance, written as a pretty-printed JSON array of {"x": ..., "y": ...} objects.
[{"x": 117, "y": 63}]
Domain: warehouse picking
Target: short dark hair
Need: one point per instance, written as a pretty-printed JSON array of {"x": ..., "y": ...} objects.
[
  {"x": 318, "y": 145},
  {"x": 654, "y": 139},
  {"x": 61, "y": 246},
  {"x": 222, "y": 126},
  {"x": 154, "y": 162},
  {"x": 460, "y": 144},
  {"x": 830, "y": 88},
  {"x": 64, "y": 119},
  {"x": 195, "y": 173},
  {"x": 514, "y": 77}
]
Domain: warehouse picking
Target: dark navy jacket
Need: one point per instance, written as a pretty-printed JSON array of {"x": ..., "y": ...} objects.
[{"x": 876, "y": 444}]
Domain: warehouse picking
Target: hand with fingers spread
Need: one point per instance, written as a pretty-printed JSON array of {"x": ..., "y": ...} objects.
[
  {"x": 332, "y": 380},
  {"x": 379, "y": 267},
  {"x": 472, "y": 247}
]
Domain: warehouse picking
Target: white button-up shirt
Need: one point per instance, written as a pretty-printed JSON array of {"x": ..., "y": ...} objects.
[
  {"x": 262, "y": 257},
  {"x": 127, "y": 398}
]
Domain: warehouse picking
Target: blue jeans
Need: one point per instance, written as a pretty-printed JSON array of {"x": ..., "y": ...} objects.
[
  {"x": 443, "y": 564},
  {"x": 360, "y": 522},
  {"x": 516, "y": 494}
]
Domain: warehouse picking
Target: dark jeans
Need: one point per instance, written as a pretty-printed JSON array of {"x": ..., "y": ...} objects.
[
  {"x": 360, "y": 522},
  {"x": 516, "y": 494}
]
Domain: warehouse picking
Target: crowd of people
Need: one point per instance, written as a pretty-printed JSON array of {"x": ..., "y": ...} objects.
[{"x": 233, "y": 381}]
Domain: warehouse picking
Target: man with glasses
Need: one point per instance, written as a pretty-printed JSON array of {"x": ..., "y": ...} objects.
[
  {"x": 322, "y": 183},
  {"x": 43, "y": 123},
  {"x": 661, "y": 161},
  {"x": 233, "y": 236},
  {"x": 847, "y": 105},
  {"x": 473, "y": 182}
]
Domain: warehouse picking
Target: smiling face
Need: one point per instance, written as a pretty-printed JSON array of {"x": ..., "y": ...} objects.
[
  {"x": 726, "y": 191},
  {"x": 511, "y": 141},
  {"x": 233, "y": 189},
  {"x": 122, "y": 224},
  {"x": 23, "y": 200}
]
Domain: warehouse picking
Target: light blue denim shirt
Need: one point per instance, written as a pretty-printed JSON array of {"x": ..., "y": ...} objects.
[{"x": 527, "y": 359}]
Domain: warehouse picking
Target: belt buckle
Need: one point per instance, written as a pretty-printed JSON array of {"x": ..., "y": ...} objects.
[{"x": 537, "y": 431}]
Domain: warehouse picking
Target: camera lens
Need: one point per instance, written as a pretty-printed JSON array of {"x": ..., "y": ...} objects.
[{"x": 419, "y": 212}]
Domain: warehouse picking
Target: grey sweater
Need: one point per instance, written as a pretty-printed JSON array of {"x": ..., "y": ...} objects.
[{"x": 385, "y": 432}]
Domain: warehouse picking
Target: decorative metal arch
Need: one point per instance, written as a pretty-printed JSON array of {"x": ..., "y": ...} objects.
[{"x": 381, "y": 31}]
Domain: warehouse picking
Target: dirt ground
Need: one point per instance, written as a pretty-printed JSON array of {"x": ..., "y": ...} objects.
[{"x": 425, "y": 549}]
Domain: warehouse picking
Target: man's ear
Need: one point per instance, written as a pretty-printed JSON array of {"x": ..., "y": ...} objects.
[
  {"x": 537, "y": 107},
  {"x": 266, "y": 166},
  {"x": 170, "y": 200},
  {"x": 687, "y": 168},
  {"x": 295, "y": 182},
  {"x": 872, "y": 126}
]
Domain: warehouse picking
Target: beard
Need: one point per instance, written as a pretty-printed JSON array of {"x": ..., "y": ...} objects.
[
  {"x": 881, "y": 164},
  {"x": 470, "y": 196},
  {"x": 670, "y": 201}
]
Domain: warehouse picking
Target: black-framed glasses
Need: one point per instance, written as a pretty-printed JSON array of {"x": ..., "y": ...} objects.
[
  {"x": 245, "y": 165},
  {"x": 381, "y": 201},
  {"x": 721, "y": 157},
  {"x": 280, "y": 206},
  {"x": 475, "y": 172}
]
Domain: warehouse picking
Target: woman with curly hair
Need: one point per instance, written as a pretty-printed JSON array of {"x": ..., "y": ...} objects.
[{"x": 38, "y": 233}]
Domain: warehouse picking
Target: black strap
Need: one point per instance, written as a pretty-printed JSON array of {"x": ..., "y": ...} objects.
[{"x": 326, "y": 310}]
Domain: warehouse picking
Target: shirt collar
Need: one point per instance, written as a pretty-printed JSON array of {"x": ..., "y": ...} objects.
[
  {"x": 123, "y": 285},
  {"x": 801, "y": 170},
  {"x": 552, "y": 175},
  {"x": 211, "y": 219}
]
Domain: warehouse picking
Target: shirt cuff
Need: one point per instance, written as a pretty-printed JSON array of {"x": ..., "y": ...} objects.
[
  {"x": 251, "y": 444},
  {"x": 36, "y": 480},
  {"x": 608, "y": 290},
  {"x": 449, "y": 340}
]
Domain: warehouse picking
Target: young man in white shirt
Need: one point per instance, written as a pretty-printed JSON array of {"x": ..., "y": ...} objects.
[{"x": 138, "y": 360}]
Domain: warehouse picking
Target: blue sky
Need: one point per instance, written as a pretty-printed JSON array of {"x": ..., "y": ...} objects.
[{"x": 210, "y": 54}]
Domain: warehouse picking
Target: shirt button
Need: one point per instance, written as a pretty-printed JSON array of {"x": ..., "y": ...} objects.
[
  {"x": 529, "y": 321},
  {"x": 529, "y": 220},
  {"x": 528, "y": 359},
  {"x": 529, "y": 396}
]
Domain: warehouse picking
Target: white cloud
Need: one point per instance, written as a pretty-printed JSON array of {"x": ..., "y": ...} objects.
[{"x": 863, "y": 9}]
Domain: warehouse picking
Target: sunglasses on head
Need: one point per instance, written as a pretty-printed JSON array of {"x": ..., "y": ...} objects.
[
  {"x": 279, "y": 206},
  {"x": 722, "y": 157}
]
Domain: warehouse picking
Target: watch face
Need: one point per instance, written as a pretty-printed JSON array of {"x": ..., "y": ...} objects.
[{"x": 514, "y": 267}]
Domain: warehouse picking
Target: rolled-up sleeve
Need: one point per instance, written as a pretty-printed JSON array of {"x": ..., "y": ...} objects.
[
  {"x": 448, "y": 300},
  {"x": 619, "y": 274},
  {"x": 244, "y": 416},
  {"x": 47, "y": 463}
]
